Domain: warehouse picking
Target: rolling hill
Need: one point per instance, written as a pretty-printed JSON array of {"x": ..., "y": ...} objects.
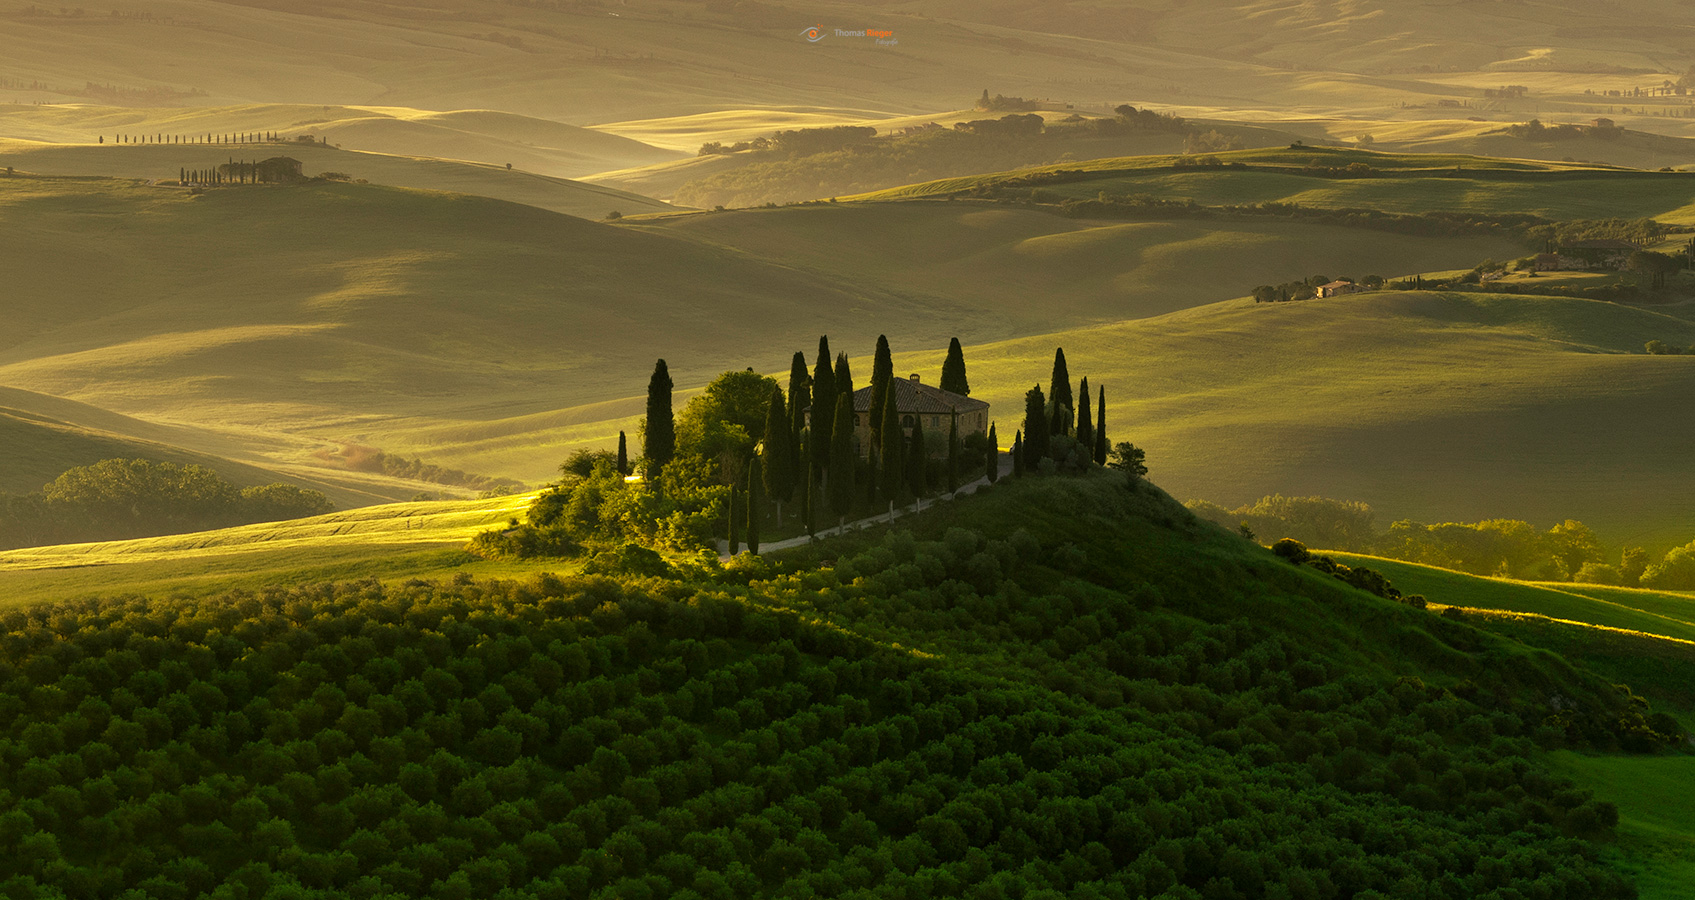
[{"x": 161, "y": 162}]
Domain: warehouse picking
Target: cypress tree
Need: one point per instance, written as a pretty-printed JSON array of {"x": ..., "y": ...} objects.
[
  {"x": 823, "y": 405},
  {"x": 1085, "y": 426},
  {"x": 992, "y": 468},
  {"x": 808, "y": 493},
  {"x": 844, "y": 382},
  {"x": 1059, "y": 391},
  {"x": 894, "y": 461},
  {"x": 623, "y": 455},
  {"x": 953, "y": 371},
  {"x": 800, "y": 394},
  {"x": 778, "y": 454},
  {"x": 755, "y": 502},
  {"x": 1018, "y": 454},
  {"x": 735, "y": 540},
  {"x": 842, "y": 461},
  {"x": 882, "y": 372},
  {"x": 659, "y": 435},
  {"x": 953, "y": 454},
  {"x": 917, "y": 459},
  {"x": 1100, "y": 427},
  {"x": 1035, "y": 427}
]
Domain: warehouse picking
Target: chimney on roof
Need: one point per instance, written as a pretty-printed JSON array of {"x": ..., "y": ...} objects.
[{"x": 915, "y": 378}]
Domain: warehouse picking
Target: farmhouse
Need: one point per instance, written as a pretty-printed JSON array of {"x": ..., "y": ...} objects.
[
  {"x": 917, "y": 403},
  {"x": 1338, "y": 288},
  {"x": 1598, "y": 254}
]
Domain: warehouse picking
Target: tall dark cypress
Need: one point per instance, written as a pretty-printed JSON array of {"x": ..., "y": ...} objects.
[
  {"x": 800, "y": 396},
  {"x": 1085, "y": 424},
  {"x": 842, "y": 461},
  {"x": 953, "y": 454},
  {"x": 992, "y": 466},
  {"x": 659, "y": 434},
  {"x": 623, "y": 455},
  {"x": 844, "y": 381},
  {"x": 735, "y": 523},
  {"x": 823, "y": 414},
  {"x": 1059, "y": 393},
  {"x": 882, "y": 372},
  {"x": 917, "y": 461},
  {"x": 1035, "y": 427},
  {"x": 891, "y": 447},
  {"x": 809, "y": 496},
  {"x": 953, "y": 371},
  {"x": 1100, "y": 427},
  {"x": 778, "y": 455},
  {"x": 755, "y": 503},
  {"x": 1017, "y": 454}
]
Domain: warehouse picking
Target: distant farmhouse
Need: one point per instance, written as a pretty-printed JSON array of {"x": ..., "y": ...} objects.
[
  {"x": 1609, "y": 253},
  {"x": 1338, "y": 288},
  {"x": 915, "y": 402}
]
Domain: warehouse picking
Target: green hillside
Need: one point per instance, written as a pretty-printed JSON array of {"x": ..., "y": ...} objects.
[
  {"x": 151, "y": 162},
  {"x": 1430, "y": 406},
  {"x": 1129, "y": 705},
  {"x": 1403, "y": 183},
  {"x": 486, "y": 136}
]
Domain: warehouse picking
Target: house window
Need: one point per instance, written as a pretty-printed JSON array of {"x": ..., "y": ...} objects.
[
  {"x": 906, "y": 421},
  {"x": 935, "y": 421}
]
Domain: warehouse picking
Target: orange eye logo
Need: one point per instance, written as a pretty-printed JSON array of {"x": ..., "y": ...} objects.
[{"x": 813, "y": 35}]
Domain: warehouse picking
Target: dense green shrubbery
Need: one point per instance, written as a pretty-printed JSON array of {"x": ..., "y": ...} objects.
[
  {"x": 130, "y": 498},
  {"x": 1507, "y": 547},
  {"x": 1061, "y": 735}
]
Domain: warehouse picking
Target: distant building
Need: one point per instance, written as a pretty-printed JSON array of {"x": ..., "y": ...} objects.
[
  {"x": 1603, "y": 123},
  {"x": 916, "y": 402},
  {"x": 1338, "y": 288},
  {"x": 1607, "y": 253}
]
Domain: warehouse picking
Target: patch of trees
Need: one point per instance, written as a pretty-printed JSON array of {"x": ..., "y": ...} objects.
[
  {"x": 1369, "y": 580},
  {"x": 370, "y": 459},
  {"x": 1534, "y": 130},
  {"x": 1661, "y": 348},
  {"x": 1307, "y": 288},
  {"x": 1013, "y": 126},
  {"x": 1509, "y": 548},
  {"x": 1002, "y": 103},
  {"x": 118, "y": 499},
  {"x": 771, "y": 735}
]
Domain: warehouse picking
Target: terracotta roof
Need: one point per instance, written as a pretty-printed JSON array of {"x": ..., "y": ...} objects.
[
  {"x": 919, "y": 399},
  {"x": 1334, "y": 285}
]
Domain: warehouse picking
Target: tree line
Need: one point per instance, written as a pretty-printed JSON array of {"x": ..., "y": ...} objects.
[
  {"x": 1509, "y": 548},
  {"x": 116, "y": 499}
]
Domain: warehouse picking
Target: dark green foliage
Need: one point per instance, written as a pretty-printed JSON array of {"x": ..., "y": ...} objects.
[
  {"x": 1132, "y": 461},
  {"x": 1059, "y": 394},
  {"x": 953, "y": 371},
  {"x": 1036, "y": 424},
  {"x": 129, "y": 498},
  {"x": 882, "y": 373},
  {"x": 777, "y": 455},
  {"x": 917, "y": 461},
  {"x": 842, "y": 458},
  {"x": 844, "y": 385},
  {"x": 1103, "y": 712},
  {"x": 581, "y": 462},
  {"x": 823, "y": 414},
  {"x": 800, "y": 393},
  {"x": 1018, "y": 454},
  {"x": 953, "y": 454},
  {"x": 992, "y": 460},
  {"x": 1085, "y": 422},
  {"x": 755, "y": 503},
  {"x": 623, "y": 455},
  {"x": 891, "y": 475},
  {"x": 659, "y": 429},
  {"x": 1100, "y": 428}
]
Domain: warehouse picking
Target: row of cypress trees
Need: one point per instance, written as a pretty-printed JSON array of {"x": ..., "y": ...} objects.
[
  {"x": 1059, "y": 414},
  {"x": 820, "y": 462}
]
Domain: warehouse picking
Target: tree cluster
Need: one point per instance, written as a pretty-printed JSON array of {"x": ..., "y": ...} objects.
[{"x": 116, "y": 499}]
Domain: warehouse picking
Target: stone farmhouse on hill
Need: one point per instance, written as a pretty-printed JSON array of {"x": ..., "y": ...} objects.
[
  {"x": 1338, "y": 288},
  {"x": 1593, "y": 254},
  {"x": 915, "y": 403}
]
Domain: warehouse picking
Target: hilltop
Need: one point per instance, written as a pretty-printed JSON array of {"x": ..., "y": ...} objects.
[{"x": 966, "y": 703}]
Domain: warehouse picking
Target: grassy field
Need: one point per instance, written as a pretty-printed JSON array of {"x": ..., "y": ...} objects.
[
  {"x": 1656, "y": 801},
  {"x": 391, "y": 542},
  {"x": 150, "y": 162},
  {"x": 491, "y": 137}
]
